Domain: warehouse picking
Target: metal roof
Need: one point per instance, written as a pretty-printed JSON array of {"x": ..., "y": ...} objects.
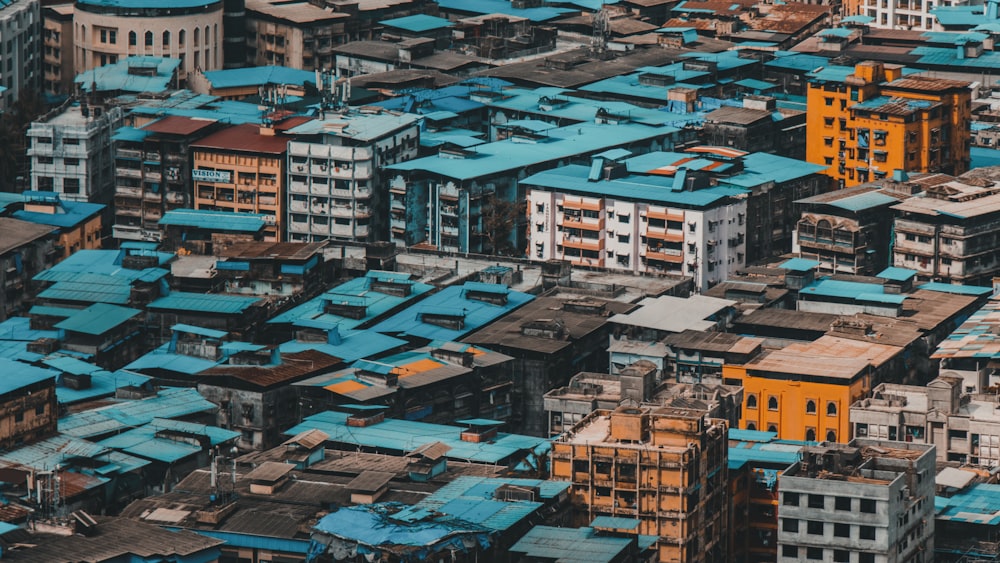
[
  {"x": 15, "y": 233},
  {"x": 116, "y": 77},
  {"x": 214, "y": 220},
  {"x": 204, "y": 303},
  {"x": 979, "y": 504},
  {"x": 259, "y": 76},
  {"x": 66, "y": 214},
  {"x": 354, "y": 345},
  {"x": 955, "y": 288},
  {"x": 168, "y": 403},
  {"x": 417, "y": 23},
  {"x": 675, "y": 314},
  {"x": 98, "y": 319},
  {"x": 144, "y": 442},
  {"x": 502, "y": 7},
  {"x": 571, "y": 545},
  {"x": 17, "y": 375},
  {"x": 897, "y": 274}
]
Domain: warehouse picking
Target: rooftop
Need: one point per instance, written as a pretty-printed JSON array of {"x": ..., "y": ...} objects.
[
  {"x": 357, "y": 125},
  {"x": 243, "y": 138},
  {"x": 829, "y": 357},
  {"x": 978, "y": 504},
  {"x": 260, "y": 76},
  {"x": 417, "y": 23},
  {"x": 204, "y": 303},
  {"x": 178, "y": 125},
  {"x": 18, "y": 375},
  {"x": 65, "y": 214},
  {"x": 15, "y": 233},
  {"x": 98, "y": 319},
  {"x": 168, "y": 441},
  {"x": 696, "y": 312},
  {"x": 117, "y": 77},
  {"x": 214, "y": 220},
  {"x": 119, "y": 416}
]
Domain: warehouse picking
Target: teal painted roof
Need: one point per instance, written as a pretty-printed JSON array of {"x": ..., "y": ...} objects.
[
  {"x": 948, "y": 56},
  {"x": 128, "y": 133},
  {"x": 761, "y": 167},
  {"x": 98, "y": 319},
  {"x": 68, "y": 214},
  {"x": 145, "y": 442},
  {"x": 857, "y": 19},
  {"x": 571, "y": 545},
  {"x": 162, "y": 359},
  {"x": 260, "y": 76},
  {"x": 354, "y": 345},
  {"x": 214, "y": 220},
  {"x": 190, "y": 329},
  {"x": 978, "y": 504},
  {"x": 897, "y": 274},
  {"x": 418, "y": 23},
  {"x": 167, "y": 403},
  {"x": 954, "y": 288},
  {"x": 483, "y": 7},
  {"x": 144, "y": 4},
  {"x": 836, "y": 32},
  {"x": 855, "y": 291},
  {"x": 799, "y": 264},
  {"x": 981, "y": 157},
  {"x": 116, "y": 77},
  {"x": 17, "y": 375},
  {"x": 204, "y": 303},
  {"x": 861, "y": 202},
  {"x": 617, "y": 523},
  {"x": 755, "y": 84}
]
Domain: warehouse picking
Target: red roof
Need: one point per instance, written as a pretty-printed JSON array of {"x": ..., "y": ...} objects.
[
  {"x": 246, "y": 138},
  {"x": 177, "y": 125}
]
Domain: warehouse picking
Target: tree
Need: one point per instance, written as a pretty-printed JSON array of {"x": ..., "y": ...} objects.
[{"x": 500, "y": 216}]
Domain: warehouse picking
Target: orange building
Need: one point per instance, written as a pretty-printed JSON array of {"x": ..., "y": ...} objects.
[
  {"x": 242, "y": 169},
  {"x": 663, "y": 466},
  {"x": 805, "y": 390},
  {"x": 874, "y": 121}
]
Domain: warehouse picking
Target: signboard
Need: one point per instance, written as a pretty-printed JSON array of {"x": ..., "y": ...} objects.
[{"x": 222, "y": 176}]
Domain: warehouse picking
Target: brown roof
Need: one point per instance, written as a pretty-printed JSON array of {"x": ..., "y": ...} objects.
[
  {"x": 277, "y": 250},
  {"x": 308, "y": 439},
  {"x": 927, "y": 83},
  {"x": 177, "y": 125},
  {"x": 901, "y": 106},
  {"x": 741, "y": 116},
  {"x": 15, "y": 233},
  {"x": 292, "y": 367},
  {"x": 270, "y": 471},
  {"x": 432, "y": 451},
  {"x": 370, "y": 481},
  {"x": 244, "y": 138}
]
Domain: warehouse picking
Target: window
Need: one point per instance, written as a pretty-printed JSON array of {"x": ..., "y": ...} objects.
[
  {"x": 831, "y": 435},
  {"x": 19, "y": 416},
  {"x": 810, "y": 434},
  {"x": 71, "y": 185},
  {"x": 842, "y": 503},
  {"x": 810, "y": 406},
  {"x": 841, "y": 556},
  {"x": 866, "y": 558},
  {"x": 166, "y": 38},
  {"x": 180, "y": 37},
  {"x": 113, "y": 37},
  {"x": 814, "y": 527},
  {"x": 751, "y": 401},
  {"x": 817, "y": 501},
  {"x": 71, "y": 161},
  {"x": 132, "y": 38},
  {"x": 104, "y": 36},
  {"x": 149, "y": 38},
  {"x": 789, "y": 525},
  {"x": 866, "y": 532},
  {"x": 868, "y": 505},
  {"x": 831, "y": 408},
  {"x": 772, "y": 403},
  {"x": 814, "y": 553},
  {"x": 790, "y": 551},
  {"x": 842, "y": 530},
  {"x": 790, "y": 499},
  {"x": 39, "y": 410},
  {"x": 828, "y": 101},
  {"x": 772, "y": 428}
]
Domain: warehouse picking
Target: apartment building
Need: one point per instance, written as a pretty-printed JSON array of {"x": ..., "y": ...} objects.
[
  {"x": 948, "y": 232},
  {"x": 28, "y": 404},
  {"x": 241, "y": 169},
  {"x": 470, "y": 199},
  {"x": 26, "y": 249},
  {"x": 21, "y": 49},
  {"x": 153, "y": 175},
  {"x": 57, "y": 45},
  {"x": 70, "y": 152},
  {"x": 335, "y": 173},
  {"x": 664, "y": 466},
  {"x": 870, "y": 501},
  {"x": 109, "y": 31},
  {"x": 867, "y": 124}
]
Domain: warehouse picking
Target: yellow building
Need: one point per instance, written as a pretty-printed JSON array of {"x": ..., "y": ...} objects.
[
  {"x": 874, "y": 121},
  {"x": 242, "y": 169},
  {"x": 663, "y": 466},
  {"x": 805, "y": 390},
  {"x": 78, "y": 222}
]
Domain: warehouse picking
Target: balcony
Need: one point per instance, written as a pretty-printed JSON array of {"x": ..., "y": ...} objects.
[
  {"x": 128, "y": 173},
  {"x": 128, "y": 153},
  {"x": 583, "y": 243},
  {"x": 665, "y": 215},
  {"x": 665, "y": 255},
  {"x": 152, "y": 196},
  {"x": 298, "y": 206},
  {"x": 127, "y": 211},
  {"x": 128, "y": 191},
  {"x": 153, "y": 176},
  {"x": 341, "y": 211},
  {"x": 298, "y": 187},
  {"x": 152, "y": 214},
  {"x": 586, "y": 223},
  {"x": 662, "y": 233}
]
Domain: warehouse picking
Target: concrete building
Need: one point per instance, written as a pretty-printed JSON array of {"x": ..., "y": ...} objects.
[
  {"x": 240, "y": 83},
  {"x": 294, "y": 34},
  {"x": 969, "y": 352},
  {"x": 28, "y": 409},
  {"x": 469, "y": 199},
  {"x": 71, "y": 153},
  {"x": 868, "y": 501},
  {"x": 758, "y": 126},
  {"x": 79, "y": 224},
  {"x": 946, "y": 233},
  {"x": 21, "y": 57},
  {"x": 241, "y": 169},
  {"x": 336, "y": 177},
  {"x": 602, "y": 542},
  {"x": 27, "y": 249},
  {"x": 664, "y": 466},
  {"x": 153, "y": 174},
  {"x": 127, "y": 277},
  {"x": 57, "y": 42},
  {"x": 872, "y": 121},
  {"x": 963, "y": 425},
  {"x": 108, "y": 32}
]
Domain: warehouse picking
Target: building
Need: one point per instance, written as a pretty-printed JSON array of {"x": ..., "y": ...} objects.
[
  {"x": 865, "y": 124},
  {"x": 128, "y": 77},
  {"x": 946, "y": 232},
  {"x": 602, "y": 542},
  {"x": 130, "y": 276},
  {"x": 282, "y": 270},
  {"x": 108, "y": 334},
  {"x": 694, "y": 356},
  {"x": 71, "y": 153},
  {"x": 21, "y": 59},
  {"x": 469, "y": 199},
  {"x": 57, "y": 42},
  {"x": 27, "y": 404},
  {"x": 804, "y": 391},
  {"x": 240, "y": 83},
  {"x": 965, "y": 523},
  {"x": 548, "y": 338},
  {"x": 846, "y": 230},
  {"x": 758, "y": 126},
  {"x": 197, "y": 231},
  {"x": 135, "y": 408},
  {"x": 108, "y": 32},
  {"x": 336, "y": 176},
  {"x": 153, "y": 174},
  {"x": 962, "y": 424},
  {"x": 241, "y": 169},
  {"x": 968, "y": 352},
  {"x": 867, "y": 501},
  {"x": 26, "y": 250},
  {"x": 237, "y": 315},
  {"x": 665, "y": 466},
  {"x": 78, "y": 223}
]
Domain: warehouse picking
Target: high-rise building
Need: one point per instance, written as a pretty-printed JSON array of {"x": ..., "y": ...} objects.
[
  {"x": 21, "y": 49},
  {"x": 57, "y": 41},
  {"x": 870, "y": 501},
  {"x": 664, "y": 466},
  {"x": 874, "y": 121}
]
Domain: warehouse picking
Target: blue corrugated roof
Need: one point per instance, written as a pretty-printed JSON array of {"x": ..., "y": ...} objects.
[
  {"x": 859, "y": 291},
  {"x": 102, "y": 384},
  {"x": 836, "y": 32},
  {"x": 144, "y": 4},
  {"x": 978, "y": 504},
  {"x": 860, "y": 202},
  {"x": 954, "y": 288},
  {"x": 162, "y": 359},
  {"x": 128, "y": 133},
  {"x": 116, "y": 77},
  {"x": 483, "y": 7},
  {"x": 103, "y": 266},
  {"x": 407, "y": 435},
  {"x": 571, "y": 545},
  {"x": 204, "y": 303},
  {"x": 260, "y": 76},
  {"x": 214, "y": 220},
  {"x": 449, "y": 301},
  {"x": 354, "y": 345},
  {"x": 17, "y": 375},
  {"x": 144, "y": 442},
  {"x": 168, "y": 403},
  {"x": 897, "y": 274},
  {"x": 981, "y": 157},
  {"x": 190, "y": 329},
  {"x": 98, "y": 319},
  {"x": 799, "y": 264},
  {"x": 374, "y": 525},
  {"x": 473, "y": 499},
  {"x": 418, "y": 23},
  {"x": 67, "y": 213},
  {"x": 754, "y": 84}
]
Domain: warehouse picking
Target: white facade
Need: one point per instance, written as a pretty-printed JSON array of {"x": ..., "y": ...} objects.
[
  {"x": 20, "y": 49},
  {"x": 905, "y": 14},
  {"x": 71, "y": 154},
  {"x": 639, "y": 237}
]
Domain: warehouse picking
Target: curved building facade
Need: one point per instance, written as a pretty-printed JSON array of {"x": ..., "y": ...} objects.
[{"x": 105, "y": 31}]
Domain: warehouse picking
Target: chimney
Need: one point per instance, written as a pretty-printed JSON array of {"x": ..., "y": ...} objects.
[{"x": 333, "y": 336}]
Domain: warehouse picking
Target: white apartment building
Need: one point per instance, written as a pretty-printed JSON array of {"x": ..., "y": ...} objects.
[
  {"x": 20, "y": 49},
  {"x": 70, "y": 152},
  {"x": 605, "y": 217},
  {"x": 334, "y": 174}
]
